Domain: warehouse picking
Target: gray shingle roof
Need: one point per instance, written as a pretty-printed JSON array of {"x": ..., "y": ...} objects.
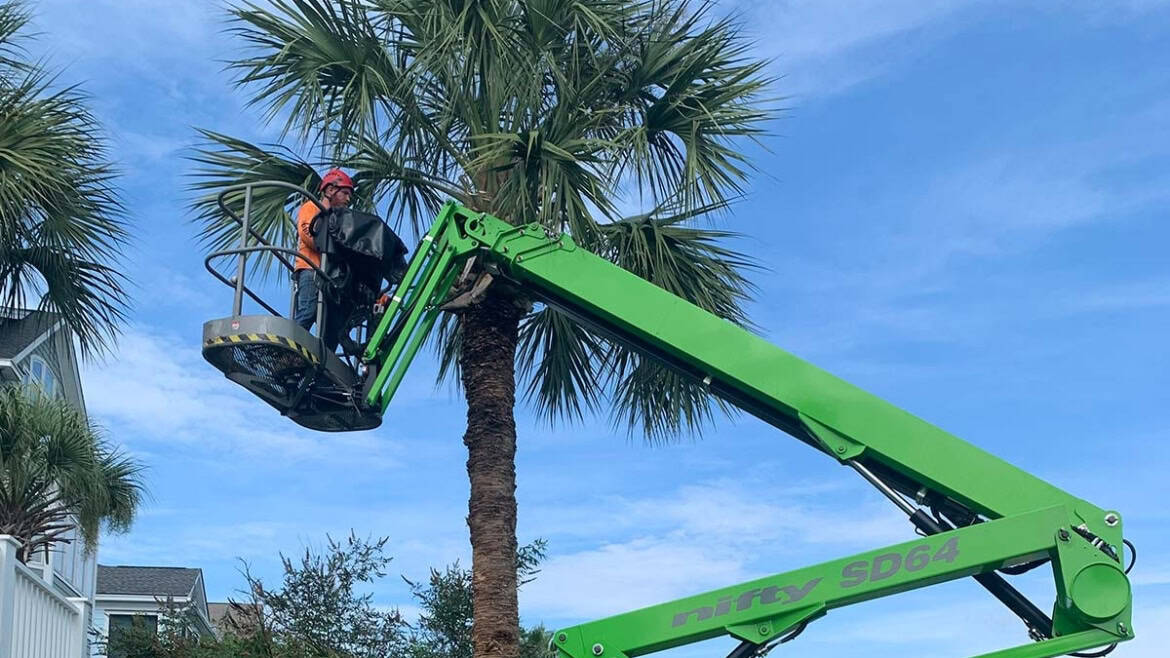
[
  {"x": 17, "y": 333},
  {"x": 216, "y": 611},
  {"x": 147, "y": 581}
]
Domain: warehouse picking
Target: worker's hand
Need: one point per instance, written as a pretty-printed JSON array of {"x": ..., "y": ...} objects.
[{"x": 381, "y": 304}]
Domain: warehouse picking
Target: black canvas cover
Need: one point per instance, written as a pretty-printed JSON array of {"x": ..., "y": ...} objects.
[{"x": 362, "y": 251}]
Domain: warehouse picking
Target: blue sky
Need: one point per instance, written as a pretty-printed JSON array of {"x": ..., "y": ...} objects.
[{"x": 964, "y": 211}]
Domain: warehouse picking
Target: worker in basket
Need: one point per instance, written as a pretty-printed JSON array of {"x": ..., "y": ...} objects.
[{"x": 361, "y": 252}]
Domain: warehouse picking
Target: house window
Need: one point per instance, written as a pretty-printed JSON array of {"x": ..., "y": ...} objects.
[
  {"x": 41, "y": 376},
  {"x": 123, "y": 622},
  {"x": 120, "y": 625}
]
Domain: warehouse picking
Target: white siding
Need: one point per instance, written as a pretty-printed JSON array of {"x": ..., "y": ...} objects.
[
  {"x": 74, "y": 567},
  {"x": 36, "y": 621}
]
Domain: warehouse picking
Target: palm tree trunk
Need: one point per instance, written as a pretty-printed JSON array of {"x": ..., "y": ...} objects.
[{"x": 487, "y": 361}]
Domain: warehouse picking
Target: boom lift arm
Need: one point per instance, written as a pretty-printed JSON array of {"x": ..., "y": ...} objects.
[{"x": 979, "y": 515}]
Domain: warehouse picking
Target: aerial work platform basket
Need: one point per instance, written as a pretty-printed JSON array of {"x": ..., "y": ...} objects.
[
  {"x": 285, "y": 366},
  {"x": 270, "y": 354}
]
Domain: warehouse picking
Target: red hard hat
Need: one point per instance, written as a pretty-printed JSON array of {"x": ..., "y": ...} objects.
[{"x": 336, "y": 177}]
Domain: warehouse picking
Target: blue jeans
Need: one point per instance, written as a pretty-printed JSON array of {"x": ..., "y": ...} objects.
[
  {"x": 306, "y": 313},
  {"x": 306, "y": 310}
]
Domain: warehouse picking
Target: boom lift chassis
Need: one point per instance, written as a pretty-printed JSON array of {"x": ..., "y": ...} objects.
[{"x": 978, "y": 515}]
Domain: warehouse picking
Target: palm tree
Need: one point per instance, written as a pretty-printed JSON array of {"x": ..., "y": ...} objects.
[
  {"x": 61, "y": 221},
  {"x": 536, "y": 110},
  {"x": 57, "y": 474}
]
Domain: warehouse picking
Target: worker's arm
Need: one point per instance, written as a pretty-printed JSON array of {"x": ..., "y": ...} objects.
[{"x": 305, "y": 217}]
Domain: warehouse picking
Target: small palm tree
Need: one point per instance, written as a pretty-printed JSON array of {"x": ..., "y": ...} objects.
[
  {"x": 534, "y": 110},
  {"x": 61, "y": 221},
  {"x": 57, "y": 474}
]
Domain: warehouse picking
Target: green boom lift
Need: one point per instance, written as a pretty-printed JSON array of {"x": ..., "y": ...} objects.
[{"x": 977, "y": 515}]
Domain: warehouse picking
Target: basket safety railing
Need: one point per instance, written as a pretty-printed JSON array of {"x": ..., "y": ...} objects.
[{"x": 281, "y": 254}]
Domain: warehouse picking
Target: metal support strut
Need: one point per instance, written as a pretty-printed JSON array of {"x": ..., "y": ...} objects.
[{"x": 1039, "y": 624}]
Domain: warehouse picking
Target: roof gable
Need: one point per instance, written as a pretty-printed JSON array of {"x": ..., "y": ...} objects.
[
  {"x": 147, "y": 581},
  {"x": 20, "y": 329}
]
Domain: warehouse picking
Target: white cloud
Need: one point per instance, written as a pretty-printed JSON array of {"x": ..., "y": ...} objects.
[
  {"x": 985, "y": 626},
  {"x": 159, "y": 286},
  {"x": 812, "y": 29},
  {"x": 195, "y": 543},
  {"x": 961, "y": 216},
  {"x": 994, "y": 204},
  {"x": 748, "y": 512},
  {"x": 144, "y": 149},
  {"x": 825, "y": 47},
  {"x": 1006, "y": 202},
  {"x": 154, "y": 72},
  {"x": 256, "y": 525},
  {"x": 619, "y": 577},
  {"x": 751, "y": 514},
  {"x": 695, "y": 538},
  {"x": 1148, "y": 622},
  {"x": 136, "y": 33}
]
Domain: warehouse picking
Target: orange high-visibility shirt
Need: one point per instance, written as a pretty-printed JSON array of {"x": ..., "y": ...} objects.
[{"x": 305, "y": 245}]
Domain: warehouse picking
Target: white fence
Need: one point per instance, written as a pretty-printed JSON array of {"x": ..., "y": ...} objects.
[{"x": 35, "y": 620}]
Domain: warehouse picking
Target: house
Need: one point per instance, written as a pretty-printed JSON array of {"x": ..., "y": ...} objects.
[
  {"x": 129, "y": 595},
  {"x": 237, "y": 618},
  {"x": 53, "y": 594},
  {"x": 36, "y": 349}
]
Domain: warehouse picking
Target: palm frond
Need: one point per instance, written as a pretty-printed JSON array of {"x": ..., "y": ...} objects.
[
  {"x": 688, "y": 261},
  {"x": 659, "y": 404},
  {"x": 14, "y": 17},
  {"x": 320, "y": 64},
  {"x": 691, "y": 263},
  {"x": 411, "y": 192},
  {"x": 448, "y": 344},
  {"x": 88, "y": 295},
  {"x": 226, "y": 161},
  {"x": 56, "y": 471},
  {"x": 560, "y": 359},
  {"x": 550, "y": 178},
  {"x": 468, "y": 42},
  {"x": 121, "y": 479},
  {"x": 692, "y": 90},
  {"x": 59, "y": 208},
  {"x": 551, "y": 25}
]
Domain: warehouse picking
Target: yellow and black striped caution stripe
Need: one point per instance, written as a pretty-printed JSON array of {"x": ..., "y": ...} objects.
[{"x": 283, "y": 341}]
